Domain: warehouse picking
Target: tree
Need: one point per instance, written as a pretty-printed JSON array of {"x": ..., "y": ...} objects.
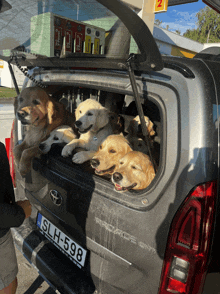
[
  {"x": 192, "y": 34},
  {"x": 208, "y": 27}
]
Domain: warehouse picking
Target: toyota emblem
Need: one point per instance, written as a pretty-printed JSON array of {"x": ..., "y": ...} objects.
[{"x": 56, "y": 197}]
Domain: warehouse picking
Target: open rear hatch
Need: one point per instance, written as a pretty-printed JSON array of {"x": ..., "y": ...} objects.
[{"x": 148, "y": 58}]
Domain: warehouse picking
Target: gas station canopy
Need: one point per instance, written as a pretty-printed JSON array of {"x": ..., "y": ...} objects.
[{"x": 139, "y": 3}]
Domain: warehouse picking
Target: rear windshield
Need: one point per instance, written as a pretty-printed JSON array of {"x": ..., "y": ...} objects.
[{"x": 57, "y": 28}]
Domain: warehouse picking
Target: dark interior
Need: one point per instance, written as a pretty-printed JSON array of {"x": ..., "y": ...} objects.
[{"x": 121, "y": 104}]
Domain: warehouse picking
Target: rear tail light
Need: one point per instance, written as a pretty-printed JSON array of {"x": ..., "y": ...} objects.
[
  {"x": 187, "y": 251},
  {"x": 9, "y": 143}
]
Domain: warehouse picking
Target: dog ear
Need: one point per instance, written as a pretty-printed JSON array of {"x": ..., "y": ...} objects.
[
  {"x": 150, "y": 173},
  {"x": 151, "y": 128},
  {"x": 68, "y": 136},
  {"x": 102, "y": 118},
  {"x": 117, "y": 123}
]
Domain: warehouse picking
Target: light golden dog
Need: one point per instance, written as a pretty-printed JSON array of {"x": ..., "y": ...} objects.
[
  {"x": 135, "y": 171},
  {"x": 62, "y": 134},
  {"x": 93, "y": 123},
  {"x": 42, "y": 115},
  {"x": 106, "y": 159},
  {"x": 134, "y": 127}
]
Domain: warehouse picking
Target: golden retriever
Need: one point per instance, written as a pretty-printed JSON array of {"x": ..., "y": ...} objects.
[
  {"x": 135, "y": 171},
  {"x": 93, "y": 123},
  {"x": 106, "y": 159},
  {"x": 62, "y": 134},
  {"x": 135, "y": 136},
  {"x": 134, "y": 127},
  {"x": 42, "y": 115}
]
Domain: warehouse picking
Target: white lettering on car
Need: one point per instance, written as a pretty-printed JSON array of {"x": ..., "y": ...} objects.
[{"x": 124, "y": 235}]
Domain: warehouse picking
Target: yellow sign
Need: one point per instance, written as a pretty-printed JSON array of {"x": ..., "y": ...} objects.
[
  {"x": 1, "y": 63},
  {"x": 96, "y": 46},
  {"x": 177, "y": 51},
  {"x": 88, "y": 44},
  {"x": 160, "y": 6}
]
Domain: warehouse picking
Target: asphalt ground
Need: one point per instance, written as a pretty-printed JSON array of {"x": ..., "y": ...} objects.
[{"x": 29, "y": 280}]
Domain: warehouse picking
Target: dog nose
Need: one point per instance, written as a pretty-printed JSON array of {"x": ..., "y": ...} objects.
[
  {"x": 78, "y": 123},
  {"x": 22, "y": 114},
  {"x": 117, "y": 177},
  {"x": 94, "y": 162}
]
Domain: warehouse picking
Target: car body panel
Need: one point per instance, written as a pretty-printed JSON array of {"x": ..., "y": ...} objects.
[{"x": 126, "y": 234}]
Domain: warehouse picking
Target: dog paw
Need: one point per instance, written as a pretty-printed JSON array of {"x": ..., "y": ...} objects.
[
  {"x": 80, "y": 157},
  {"x": 67, "y": 150}
]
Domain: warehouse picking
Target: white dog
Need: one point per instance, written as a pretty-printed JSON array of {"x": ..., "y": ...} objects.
[
  {"x": 62, "y": 134},
  {"x": 92, "y": 121}
]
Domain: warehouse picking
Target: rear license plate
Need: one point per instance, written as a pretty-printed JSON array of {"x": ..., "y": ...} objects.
[{"x": 69, "y": 247}]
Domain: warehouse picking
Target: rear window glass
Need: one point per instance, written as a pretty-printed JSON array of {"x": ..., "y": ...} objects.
[{"x": 54, "y": 28}]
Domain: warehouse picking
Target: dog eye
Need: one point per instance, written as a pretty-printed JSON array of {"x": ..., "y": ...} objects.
[
  {"x": 35, "y": 102},
  {"x": 55, "y": 138},
  {"x": 89, "y": 114},
  {"x": 121, "y": 162},
  {"x": 134, "y": 167},
  {"x": 80, "y": 111},
  {"x": 100, "y": 147},
  {"x": 112, "y": 151}
]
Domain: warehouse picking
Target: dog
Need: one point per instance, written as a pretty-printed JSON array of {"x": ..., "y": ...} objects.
[
  {"x": 41, "y": 114},
  {"x": 135, "y": 136},
  {"x": 62, "y": 134},
  {"x": 135, "y": 171},
  {"x": 106, "y": 159},
  {"x": 93, "y": 123},
  {"x": 134, "y": 127},
  {"x": 117, "y": 123}
]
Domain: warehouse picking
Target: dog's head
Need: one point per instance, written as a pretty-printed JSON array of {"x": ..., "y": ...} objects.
[
  {"x": 91, "y": 116},
  {"x": 135, "y": 171},
  {"x": 117, "y": 123},
  {"x": 134, "y": 127},
  {"x": 106, "y": 159},
  {"x": 62, "y": 134},
  {"x": 138, "y": 144},
  {"x": 34, "y": 106}
]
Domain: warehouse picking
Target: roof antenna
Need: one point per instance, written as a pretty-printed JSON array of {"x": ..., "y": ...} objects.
[{"x": 139, "y": 107}]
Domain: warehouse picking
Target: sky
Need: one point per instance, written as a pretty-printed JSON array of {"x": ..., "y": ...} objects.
[{"x": 180, "y": 17}]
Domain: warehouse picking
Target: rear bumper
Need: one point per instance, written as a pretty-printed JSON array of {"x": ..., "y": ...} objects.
[{"x": 53, "y": 265}]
